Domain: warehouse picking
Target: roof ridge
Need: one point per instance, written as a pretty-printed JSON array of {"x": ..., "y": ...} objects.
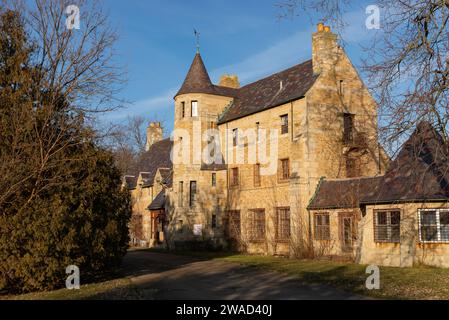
[{"x": 276, "y": 73}]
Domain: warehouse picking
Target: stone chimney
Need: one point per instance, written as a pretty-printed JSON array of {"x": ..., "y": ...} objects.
[
  {"x": 325, "y": 49},
  {"x": 230, "y": 81},
  {"x": 154, "y": 134}
]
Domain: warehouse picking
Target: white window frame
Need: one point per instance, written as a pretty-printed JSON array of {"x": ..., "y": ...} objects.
[
  {"x": 194, "y": 108},
  {"x": 438, "y": 211}
]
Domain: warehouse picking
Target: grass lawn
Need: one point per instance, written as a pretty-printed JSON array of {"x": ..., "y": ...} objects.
[
  {"x": 396, "y": 283},
  {"x": 120, "y": 289}
]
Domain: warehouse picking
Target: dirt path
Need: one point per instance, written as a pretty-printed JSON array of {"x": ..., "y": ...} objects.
[{"x": 171, "y": 277}]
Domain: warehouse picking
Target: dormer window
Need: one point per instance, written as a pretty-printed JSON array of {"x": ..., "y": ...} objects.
[{"x": 194, "y": 108}]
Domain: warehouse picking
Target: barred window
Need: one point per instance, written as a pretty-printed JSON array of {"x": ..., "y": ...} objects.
[
  {"x": 387, "y": 226},
  {"x": 257, "y": 225},
  {"x": 434, "y": 225},
  {"x": 348, "y": 128},
  {"x": 283, "y": 224},
  {"x": 233, "y": 227},
  {"x": 322, "y": 226}
]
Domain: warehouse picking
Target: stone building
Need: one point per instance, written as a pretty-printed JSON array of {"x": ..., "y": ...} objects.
[{"x": 247, "y": 160}]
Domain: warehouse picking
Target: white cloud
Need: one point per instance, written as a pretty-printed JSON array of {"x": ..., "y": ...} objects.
[{"x": 157, "y": 105}]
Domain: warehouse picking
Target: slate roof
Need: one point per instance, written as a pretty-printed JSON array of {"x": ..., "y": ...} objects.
[
  {"x": 343, "y": 193},
  {"x": 167, "y": 176},
  {"x": 274, "y": 90},
  {"x": 158, "y": 202},
  {"x": 198, "y": 81},
  {"x": 157, "y": 157},
  {"x": 420, "y": 172},
  {"x": 268, "y": 92}
]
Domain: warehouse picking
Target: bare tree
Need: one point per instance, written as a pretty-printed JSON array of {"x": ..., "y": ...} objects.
[
  {"x": 406, "y": 64},
  {"x": 66, "y": 75}
]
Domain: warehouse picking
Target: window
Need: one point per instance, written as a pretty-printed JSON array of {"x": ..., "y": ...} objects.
[
  {"x": 341, "y": 88},
  {"x": 257, "y": 175},
  {"x": 180, "y": 226},
  {"x": 387, "y": 226},
  {"x": 284, "y": 124},
  {"x": 233, "y": 227},
  {"x": 214, "y": 221},
  {"x": 257, "y": 225},
  {"x": 257, "y": 132},
  {"x": 183, "y": 109},
  {"x": 235, "y": 137},
  {"x": 283, "y": 224},
  {"x": 181, "y": 194},
  {"x": 434, "y": 225},
  {"x": 352, "y": 167},
  {"x": 322, "y": 226},
  {"x": 193, "y": 192},
  {"x": 348, "y": 123},
  {"x": 284, "y": 170},
  {"x": 194, "y": 108},
  {"x": 234, "y": 177},
  {"x": 214, "y": 179}
]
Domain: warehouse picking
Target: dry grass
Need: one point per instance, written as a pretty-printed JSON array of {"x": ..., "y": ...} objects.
[{"x": 119, "y": 289}]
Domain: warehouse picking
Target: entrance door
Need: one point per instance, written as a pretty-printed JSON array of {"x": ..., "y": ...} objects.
[{"x": 347, "y": 232}]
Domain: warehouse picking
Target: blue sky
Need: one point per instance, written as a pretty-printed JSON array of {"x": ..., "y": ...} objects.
[{"x": 246, "y": 38}]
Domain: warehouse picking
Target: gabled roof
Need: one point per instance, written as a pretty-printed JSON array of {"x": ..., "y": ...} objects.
[
  {"x": 158, "y": 202},
  {"x": 158, "y": 156},
  {"x": 167, "y": 176},
  {"x": 277, "y": 89},
  {"x": 420, "y": 172}
]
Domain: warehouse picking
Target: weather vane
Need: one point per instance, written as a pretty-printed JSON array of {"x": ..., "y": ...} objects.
[{"x": 197, "y": 36}]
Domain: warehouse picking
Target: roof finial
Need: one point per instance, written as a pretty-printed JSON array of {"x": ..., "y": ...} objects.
[{"x": 197, "y": 36}]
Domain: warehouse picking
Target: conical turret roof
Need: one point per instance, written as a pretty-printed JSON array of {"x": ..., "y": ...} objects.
[{"x": 197, "y": 79}]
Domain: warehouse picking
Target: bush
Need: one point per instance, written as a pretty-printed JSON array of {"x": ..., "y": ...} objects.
[{"x": 84, "y": 224}]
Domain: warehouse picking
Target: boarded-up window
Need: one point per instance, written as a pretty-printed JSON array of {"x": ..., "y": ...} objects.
[
  {"x": 257, "y": 224},
  {"x": 387, "y": 226},
  {"x": 284, "y": 173},
  {"x": 193, "y": 193},
  {"x": 348, "y": 128},
  {"x": 257, "y": 175},
  {"x": 283, "y": 224},
  {"x": 284, "y": 124},
  {"x": 322, "y": 226},
  {"x": 234, "y": 177},
  {"x": 233, "y": 227},
  {"x": 434, "y": 225}
]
